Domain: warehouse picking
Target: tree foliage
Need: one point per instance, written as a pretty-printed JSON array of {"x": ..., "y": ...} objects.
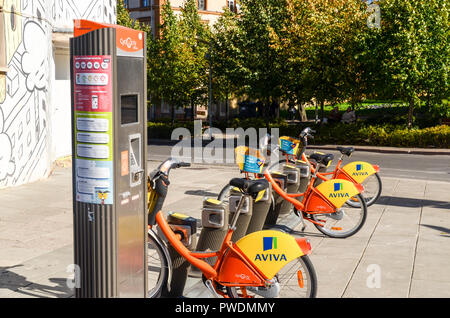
[
  {"x": 176, "y": 59},
  {"x": 324, "y": 50},
  {"x": 298, "y": 51},
  {"x": 411, "y": 52}
]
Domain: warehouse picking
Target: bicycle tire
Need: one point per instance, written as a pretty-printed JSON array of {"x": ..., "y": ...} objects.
[
  {"x": 348, "y": 233},
  {"x": 373, "y": 199},
  {"x": 286, "y": 290},
  {"x": 157, "y": 267}
]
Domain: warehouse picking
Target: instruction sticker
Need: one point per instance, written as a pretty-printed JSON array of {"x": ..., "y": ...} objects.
[
  {"x": 93, "y": 129},
  {"x": 252, "y": 164}
]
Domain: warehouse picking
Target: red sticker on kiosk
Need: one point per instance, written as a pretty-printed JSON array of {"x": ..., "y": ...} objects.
[{"x": 93, "y": 86}]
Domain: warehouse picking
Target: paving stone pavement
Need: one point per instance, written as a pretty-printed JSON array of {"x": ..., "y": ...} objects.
[{"x": 403, "y": 250}]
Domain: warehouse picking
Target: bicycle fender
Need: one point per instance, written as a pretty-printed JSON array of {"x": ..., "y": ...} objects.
[
  {"x": 269, "y": 251},
  {"x": 358, "y": 170},
  {"x": 336, "y": 192}
]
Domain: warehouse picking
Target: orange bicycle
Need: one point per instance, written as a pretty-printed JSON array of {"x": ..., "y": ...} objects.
[
  {"x": 325, "y": 205},
  {"x": 264, "y": 263},
  {"x": 357, "y": 172}
]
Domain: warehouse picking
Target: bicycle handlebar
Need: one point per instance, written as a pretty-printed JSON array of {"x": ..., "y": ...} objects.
[
  {"x": 170, "y": 164},
  {"x": 307, "y": 132}
]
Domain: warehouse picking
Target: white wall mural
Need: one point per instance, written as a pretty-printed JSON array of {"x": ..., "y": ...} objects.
[{"x": 25, "y": 95}]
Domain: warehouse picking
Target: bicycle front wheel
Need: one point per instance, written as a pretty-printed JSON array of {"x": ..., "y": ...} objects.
[
  {"x": 295, "y": 280},
  {"x": 157, "y": 266}
]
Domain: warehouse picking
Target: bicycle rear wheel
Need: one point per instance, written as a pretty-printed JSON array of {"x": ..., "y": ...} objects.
[
  {"x": 345, "y": 222},
  {"x": 372, "y": 191},
  {"x": 295, "y": 280},
  {"x": 157, "y": 266}
]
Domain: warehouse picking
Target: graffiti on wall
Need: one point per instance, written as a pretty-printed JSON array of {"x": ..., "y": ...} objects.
[{"x": 25, "y": 92}]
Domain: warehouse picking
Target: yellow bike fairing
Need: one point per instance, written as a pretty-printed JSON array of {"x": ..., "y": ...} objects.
[
  {"x": 359, "y": 170},
  {"x": 337, "y": 191},
  {"x": 269, "y": 250}
]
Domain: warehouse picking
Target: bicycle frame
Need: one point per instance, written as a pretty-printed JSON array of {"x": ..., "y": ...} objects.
[{"x": 314, "y": 200}]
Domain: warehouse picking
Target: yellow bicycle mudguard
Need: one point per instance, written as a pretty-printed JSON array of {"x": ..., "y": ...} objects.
[
  {"x": 269, "y": 250},
  {"x": 336, "y": 191},
  {"x": 358, "y": 170}
]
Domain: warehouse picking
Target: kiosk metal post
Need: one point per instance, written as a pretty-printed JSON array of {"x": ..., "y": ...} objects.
[{"x": 109, "y": 146}]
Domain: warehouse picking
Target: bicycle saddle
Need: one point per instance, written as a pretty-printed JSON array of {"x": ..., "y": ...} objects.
[
  {"x": 346, "y": 150},
  {"x": 249, "y": 186},
  {"x": 323, "y": 159}
]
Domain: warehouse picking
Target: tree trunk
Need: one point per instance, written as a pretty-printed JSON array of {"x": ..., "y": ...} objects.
[
  {"x": 302, "y": 112},
  {"x": 410, "y": 113},
  {"x": 226, "y": 107},
  {"x": 172, "y": 114},
  {"x": 192, "y": 110},
  {"x": 322, "y": 112},
  {"x": 266, "y": 112},
  {"x": 316, "y": 112},
  {"x": 277, "y": 108}
]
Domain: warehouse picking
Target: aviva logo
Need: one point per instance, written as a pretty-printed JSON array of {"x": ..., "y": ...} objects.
[
  {"x": 360, "y": 167},
  {"x": 338, "y": 187},
  {"x": 270, "y": 243}
]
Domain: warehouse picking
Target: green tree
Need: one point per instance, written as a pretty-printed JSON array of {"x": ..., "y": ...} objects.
[
  {"x": 318, "y": 42},
  {"x": 409, "y": 53},
  {"x": 176, "y": 62},
  {"x": 123, "y": 18},
  {"x": 227, "y": 58},
  {"x": 196, "y": 36},
  {"x": 261, "y": 76}
]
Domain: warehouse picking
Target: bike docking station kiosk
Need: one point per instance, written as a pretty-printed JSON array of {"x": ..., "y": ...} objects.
[{"x": 109, "y": 147}]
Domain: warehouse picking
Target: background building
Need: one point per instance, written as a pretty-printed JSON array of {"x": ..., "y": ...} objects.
[
  {"x": 35, "y": 102},
  {"x": 149, "y": 11}
]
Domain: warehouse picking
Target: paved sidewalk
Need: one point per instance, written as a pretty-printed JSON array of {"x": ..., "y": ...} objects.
[{"x": 406, "y": 238}]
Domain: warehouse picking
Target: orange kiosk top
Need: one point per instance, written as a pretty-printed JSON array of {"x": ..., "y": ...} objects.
[{"x": 129, "y": 42}]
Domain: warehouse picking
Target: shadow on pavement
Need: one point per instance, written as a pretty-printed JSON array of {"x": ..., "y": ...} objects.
[
  {"x": 19, "y": 284},
  {"x": 444, "y": 231},
  {"x": 201, "y": 193},
  {"x": 412, "y": 202}
]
